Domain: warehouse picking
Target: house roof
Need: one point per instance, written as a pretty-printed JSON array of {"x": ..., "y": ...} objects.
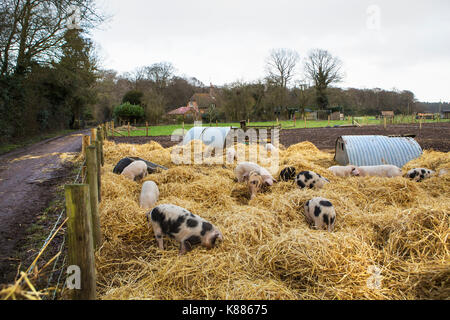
[
  {"x": 204, "y": 100},
  {"x": 183, "y": 111}
]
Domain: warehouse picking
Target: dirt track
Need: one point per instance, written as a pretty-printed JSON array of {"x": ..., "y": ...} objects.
[
  {"x": 432, "y": 136},
  {"x": 28, "y": 178}
]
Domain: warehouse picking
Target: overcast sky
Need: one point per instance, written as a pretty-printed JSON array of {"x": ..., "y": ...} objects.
[{"x": 386, "y": 44}]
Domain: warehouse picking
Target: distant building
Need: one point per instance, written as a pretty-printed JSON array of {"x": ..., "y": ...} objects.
[
  {"x": 204, "y": 101},
  {"x": 427, "y": 116},
  {"x": 388, "y": 115},
  {"x": 199, "y": 104},
  {"x": 446, "y": 114}
]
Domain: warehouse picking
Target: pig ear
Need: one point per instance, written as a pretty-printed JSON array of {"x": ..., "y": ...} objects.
[{"x": 269, "y": 180}]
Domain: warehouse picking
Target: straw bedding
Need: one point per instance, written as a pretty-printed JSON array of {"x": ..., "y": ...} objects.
[{"x": 396, "y": 225}]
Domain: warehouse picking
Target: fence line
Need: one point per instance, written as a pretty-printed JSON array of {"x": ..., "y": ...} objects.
[{"x": 10, "y": 292}]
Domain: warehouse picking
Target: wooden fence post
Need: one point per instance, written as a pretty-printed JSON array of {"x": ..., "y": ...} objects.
[
  {"x": 101, "y": 139},
  {"x": 80, "y": 241},
  {"x": 112, "y": 128},
  {"x": 85, "y": 143},
  {"x": 306, "y": 124},
  {"x": 93, "y": 194},
  {"x": 385, "y": 122},
  {"x": 329, "y": 120},
  {"x": 129, "y": 133},
  {"x": 93, "y": 134},
  {"x": 146, "y": 128},
  {"x": 105, "y": 131},
  {"x": 99, "y": 168}
]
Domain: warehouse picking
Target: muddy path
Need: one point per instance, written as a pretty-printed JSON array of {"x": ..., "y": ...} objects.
[
  {"x": 28, "y": 180},
  {"x": 432, "y": 136}
]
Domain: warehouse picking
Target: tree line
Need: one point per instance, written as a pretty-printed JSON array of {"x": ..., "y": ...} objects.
[{"x": 47, "y": 65}]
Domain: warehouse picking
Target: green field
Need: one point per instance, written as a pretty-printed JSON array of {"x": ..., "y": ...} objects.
[{"x": 167, "y": 130}]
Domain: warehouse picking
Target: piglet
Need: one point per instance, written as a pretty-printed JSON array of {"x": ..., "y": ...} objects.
[
  {"x": 136, "y": 171},
  {"x": 385, "y": 171},
  {"x": 149, "y": 195},
  {"x": 186, "y": 228},
  {"x": 288, "y": 174},
  {"x": 420, "y": 174},
  {"x": 309, "y": 179},
  {"x": 243, "y": 170},
  {"x": 347, "y": 171},
  {"x": 122, "y": 164},
  {"x": 320, "y": 213}
]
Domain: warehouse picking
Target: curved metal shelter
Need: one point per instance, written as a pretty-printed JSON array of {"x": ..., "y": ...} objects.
[
  {"x": 210, "y": 136},
  {"x": 376, "y": 150}
]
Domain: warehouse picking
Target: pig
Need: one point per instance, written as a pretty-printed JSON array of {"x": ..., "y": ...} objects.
[
  {"x": 231, "y": 155},
  {"x": 243, "y": 170},
  {"x": 122, "y": 164},
  {"x": 136, "y": 171},
  {"x": 288, "y": 174},
  {"x": 320, "y": 213},
  {"x": 386, "y": 171},
  {"x": 309, "y": 179},
  {"x": 420, "y": 174},
  {"x": 149, "y": 195},
  {"x": 183, "y": 226},
  {"x": 347, "y": 171},
  {"x": 255, "y": 183}
]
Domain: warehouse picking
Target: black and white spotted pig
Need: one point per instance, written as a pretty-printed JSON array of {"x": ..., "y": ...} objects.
[
  {"x": 183, "y": 226},
  {"x": 320, "y": 213},
  {"x": 288, "y": 174},
  {"x": 309, "y": 179},
  {"x": 420, "y": 174}
]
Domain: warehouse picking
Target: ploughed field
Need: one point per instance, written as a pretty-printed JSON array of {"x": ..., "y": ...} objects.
[
  {"x": 391, "y": 238},
  {"x": 432, "y": 136}
]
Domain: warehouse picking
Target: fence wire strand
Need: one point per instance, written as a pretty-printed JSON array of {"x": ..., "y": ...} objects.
[{"x": 57, "y": 227}]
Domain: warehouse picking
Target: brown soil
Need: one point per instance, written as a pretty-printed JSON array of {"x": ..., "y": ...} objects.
[
  {"x": 29, "y": 179},
  {"x": 432, "y": 136}
]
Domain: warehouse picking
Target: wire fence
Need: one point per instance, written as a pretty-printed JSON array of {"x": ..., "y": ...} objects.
[{"x": 49, "y": 293}]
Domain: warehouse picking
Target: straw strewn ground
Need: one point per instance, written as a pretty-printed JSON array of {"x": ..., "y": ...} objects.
[{"x": 269, "y": 252}]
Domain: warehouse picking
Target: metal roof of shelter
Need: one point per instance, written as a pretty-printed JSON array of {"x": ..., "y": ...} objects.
[{"x": 376, "y": 150}]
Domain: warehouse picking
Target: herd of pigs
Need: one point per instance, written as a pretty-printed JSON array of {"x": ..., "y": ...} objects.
[{"x": 190, "y": 230}]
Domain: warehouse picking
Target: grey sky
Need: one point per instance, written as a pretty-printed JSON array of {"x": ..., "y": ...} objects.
[{"x": 218, "y": 41}]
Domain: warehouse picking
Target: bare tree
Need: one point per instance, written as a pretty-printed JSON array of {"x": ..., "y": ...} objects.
[
  {"x": 35, "y": 29},
  {"x": 280, "y": 66},
  {"x": 160, "y": 73},
  {"x": 323, "y": 69}
]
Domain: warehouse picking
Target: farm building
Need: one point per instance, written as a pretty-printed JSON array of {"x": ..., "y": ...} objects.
[
  {"x": 310, "y": 114},
  {"x": 427, "y": 116},
  {"x": 388, "y": 115},
  {"x": 376, "y": 150},
  {"x": 446, "y": 114}
]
